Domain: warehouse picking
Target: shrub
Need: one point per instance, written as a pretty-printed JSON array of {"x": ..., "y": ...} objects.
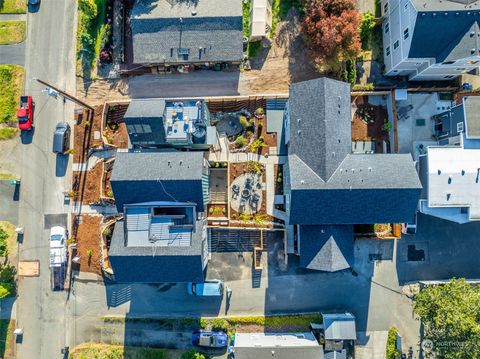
[
  {"x": 193, "y": 354},
  {"x": 244, "y": 121},
  {"x": 86, "y": 123},
  {"x": 259, "y": 127},
  {"x": 350, "y": 72},
  {"x": 6, "y": 290},
  {"x": 392, "y": 352},
  {"x": 259, "y": 111},
  {"x": 366, "y": 28},
  {"x": 3, "y": 243},
  {"x": 210, "y": 211},
  {"x": 71, "y": 241},
  {"x": 387, "y": 126},
  {"x": 240, "y": 141},
  {"x": 89, "y": 253},
  {"x": 108, "y": 231},
  {"x": 110, "y": 193},
  {"x": 70, "y": 151},
  {"x": 7, "y": 274}
]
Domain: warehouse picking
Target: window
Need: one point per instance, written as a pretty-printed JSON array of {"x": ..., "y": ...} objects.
[
  {"x": 387, "y": 51},
  {"x": 460, "y": 127},
  {"x": 449, "y": 77},
  {"x": 396, "y": 44},
  {"x": 405, "y": 34},
  {"x": 460, "y": 69},
  {"x": 385, "y": 8},
  {"x": 448, "y": 62},
  {"x": 387, "y": 27}
]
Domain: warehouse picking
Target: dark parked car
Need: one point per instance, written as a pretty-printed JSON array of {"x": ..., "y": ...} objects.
[
  {"x": 34, "y": 2},
  {"x": 61, "y": 138},
  {"x": 210, "y": 339}
]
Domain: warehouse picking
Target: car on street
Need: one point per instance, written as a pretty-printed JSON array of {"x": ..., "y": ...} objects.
[
  {"x": 34, "y": 2},
  {"x": 25, "y": 113},
  {"x": 210, "y": 339},
  {"x": 58, "y": 256},
  {"x": 61, "y": 138},
  {"x": 209, "y": 288}
]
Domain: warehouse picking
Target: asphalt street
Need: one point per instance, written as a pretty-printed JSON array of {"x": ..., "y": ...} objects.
[{"x": 49, "y": 56}]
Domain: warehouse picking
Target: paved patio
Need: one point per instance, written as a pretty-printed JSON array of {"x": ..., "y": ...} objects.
[{"x": 246, "y": 192}]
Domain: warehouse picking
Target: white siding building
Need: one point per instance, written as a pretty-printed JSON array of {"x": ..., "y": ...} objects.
[{"x": 430, "y": 40}]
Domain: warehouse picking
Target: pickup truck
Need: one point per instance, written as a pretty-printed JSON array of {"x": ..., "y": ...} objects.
[
  {"x": 58, "y": 257},
  {"x": 25, "y": 113}
]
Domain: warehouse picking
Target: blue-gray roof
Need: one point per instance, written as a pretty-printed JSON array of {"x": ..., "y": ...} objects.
[
  {"x": 326, "y": 248},
  {"x": 187, "y": 31},
  {"x": 445, "y": 36},
  {"x": 159, "y": 176},
  {"x": 365, "y": 189},
  {"x": 156, "y": 264}
]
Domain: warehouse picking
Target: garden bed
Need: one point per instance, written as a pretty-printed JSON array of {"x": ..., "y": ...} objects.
[
  {"x": 218, "y": 210},
  {"x": 86, "y": 184},
  {"x": 84, "y": 134},
  {"x": 115, "y": 130},
  {"x": 107, "y": 173},
  {"x": 278, "y": 179},
  {"x": 87, "y": 235},
  {"x": 369, "y": 124}
]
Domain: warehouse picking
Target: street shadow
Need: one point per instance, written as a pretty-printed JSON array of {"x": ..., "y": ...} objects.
[
  {"x": 26, "y": 137},
  {"x": 423, "y": 255},
  {"x": 61, "y": 165}
]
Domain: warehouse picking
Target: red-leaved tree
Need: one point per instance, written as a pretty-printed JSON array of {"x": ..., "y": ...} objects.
[{"x": 332, "y": 30}]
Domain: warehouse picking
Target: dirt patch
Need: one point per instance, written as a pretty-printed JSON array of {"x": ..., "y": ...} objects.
[
  {"x": 84, "y": 131},
  {"x": 88, "y": 243},
  {"x": 115, "y": 131},
  {"x": 285, "y": 62},
  {"x": 86, "y": 184}
]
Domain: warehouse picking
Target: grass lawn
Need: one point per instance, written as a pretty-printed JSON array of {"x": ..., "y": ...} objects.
[
  {"x": 13, "y": 6},
  {"x": 7, "y": 133},
  {"x": 11, "y": 87},
  {"x": 7, "y": 177},
  {"x": 108, "y": 351},
  {"x": 6, "y": 338},
  {"x": 11, "y": 240},
  {"x": 278, "y": 323},
  {"x": 279, "y": 11},
  {"x": 12, "y": 32}
]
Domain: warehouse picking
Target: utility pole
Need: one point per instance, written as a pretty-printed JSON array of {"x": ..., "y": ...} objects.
[{"x": 66, "y": 95}]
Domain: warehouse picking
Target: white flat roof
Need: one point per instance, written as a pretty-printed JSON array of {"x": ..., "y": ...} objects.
[
  {"x": 271, "y": 340},
  {"x": 454, "y": 178}
]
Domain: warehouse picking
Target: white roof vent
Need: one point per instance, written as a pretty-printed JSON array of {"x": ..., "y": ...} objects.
[
  {"x": 194, "y": 12},
  {"x": 302, "y": 181}
]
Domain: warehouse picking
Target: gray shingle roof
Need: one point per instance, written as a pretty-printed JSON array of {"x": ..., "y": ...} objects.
[
  {"x": 320, "y": 127},
  {"x": 339, "y": 326},
  {"x": 446, "y": 5},
  {"x": 156, "y": 265},
  {"x": 158, "y": 32},
  {"x": 158, "y": 176},
  {"x": 445, "y": 37},
  {"x": 326, "y": 248},
  {"x": 328, "y": 184}
]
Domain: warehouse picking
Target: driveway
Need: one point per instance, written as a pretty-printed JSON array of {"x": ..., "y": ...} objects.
[
  {"x": 13, "y": 54},
  {"x": 450, "y": 250},
  {"x": 9, "y": 196}
]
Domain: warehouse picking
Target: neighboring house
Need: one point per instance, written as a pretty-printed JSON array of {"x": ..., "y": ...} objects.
[
  {"x": 430, "y": 39},
  {"x": 160, "y": 176},
  {"x": 450, "y": 174},
  {"x": 158, "y": 123},
  {"x": 159, "y": 242},
  {"x": 339, "y": 334},
  {"x": 260, "y": 19},
  {"x": 163, "y": 196},
  {"x": 327, "y": 188},
  {"x": 464, "y": 118},
  {"x": 174, "y": 32},
  {"x": 277, "y": 346}
]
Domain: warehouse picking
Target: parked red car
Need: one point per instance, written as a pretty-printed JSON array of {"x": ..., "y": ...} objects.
[{"x": 25, "y": 113}]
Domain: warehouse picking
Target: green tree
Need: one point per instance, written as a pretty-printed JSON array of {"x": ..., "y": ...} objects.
[
  {"x": 3, "y": 242},
  {"x": 6, "y": 290},
  {"x": 451, "y": 317}
]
